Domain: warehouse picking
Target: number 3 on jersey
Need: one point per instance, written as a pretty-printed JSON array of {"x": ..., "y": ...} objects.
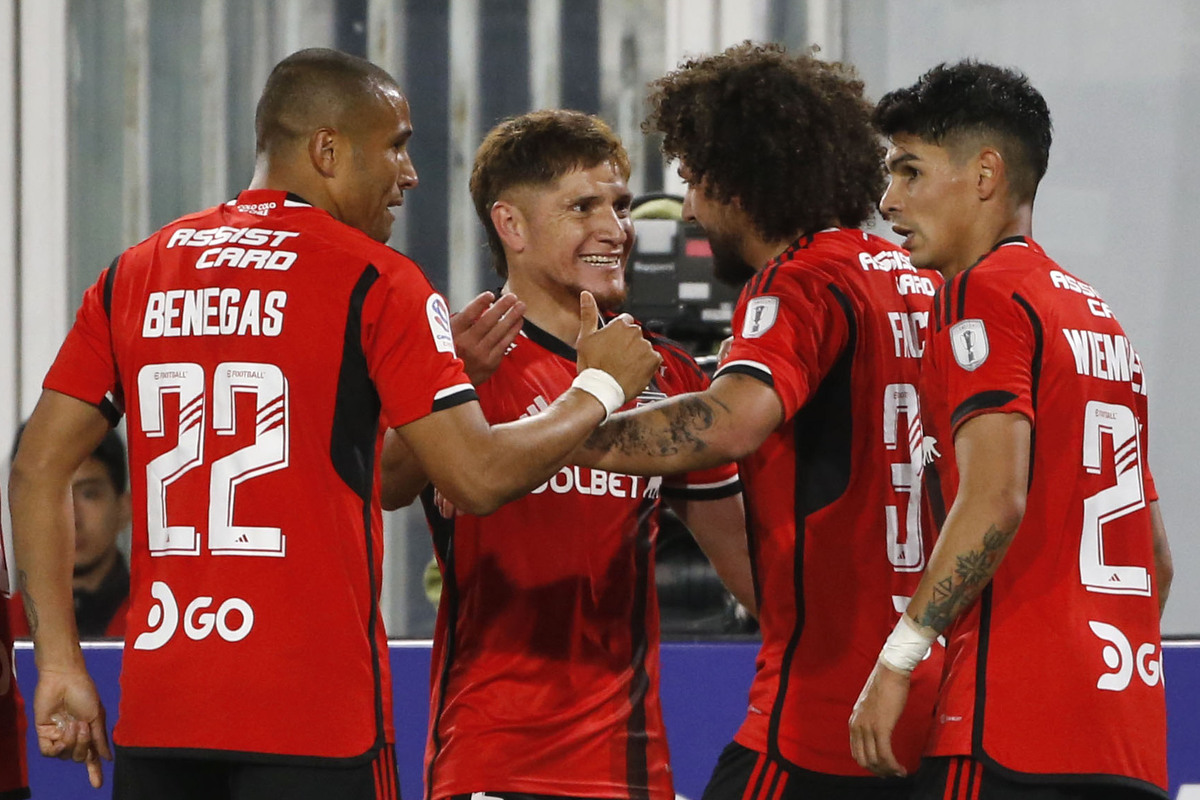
[
  {"x": 267, "y": 453},
  {"x": 900, "y": 402}
]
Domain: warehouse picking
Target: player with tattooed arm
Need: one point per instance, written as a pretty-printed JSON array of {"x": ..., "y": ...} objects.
[
  {"x": 1052, "y": 565},
  {"x": 817, "y": 399}
]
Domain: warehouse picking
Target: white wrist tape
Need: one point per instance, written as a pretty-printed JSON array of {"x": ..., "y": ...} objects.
[
  {"x": 907, "y": 645},
  {"x": 602, "y": 386}
]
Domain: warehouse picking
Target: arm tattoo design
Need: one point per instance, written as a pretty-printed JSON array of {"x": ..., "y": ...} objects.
[
  {"x": 31, "y": 615},
  {"x": 686, "y": 421},
  {"x": 972, "y": 571}
]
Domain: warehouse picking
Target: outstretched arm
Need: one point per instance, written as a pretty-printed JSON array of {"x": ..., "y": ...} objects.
[
  {"x": 992, "y": 453},
  {"x": 478, "y": 466},
  {"x": 60, "y": 435},
  {"x": 719, "y": 527},
  {"x": 725, "y": 422}
]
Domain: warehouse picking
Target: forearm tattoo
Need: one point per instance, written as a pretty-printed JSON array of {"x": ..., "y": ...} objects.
[
  {"x": 972, "y": 571},
  {"x": 31, "y": 615},
  {"x": 682, "y": 429}
]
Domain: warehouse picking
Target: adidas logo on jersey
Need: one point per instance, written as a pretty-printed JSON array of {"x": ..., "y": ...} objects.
[{"x": 538, "y": 405}]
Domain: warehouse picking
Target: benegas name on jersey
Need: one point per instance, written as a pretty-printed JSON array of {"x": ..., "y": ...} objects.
[{"x": 223, "y": 311}]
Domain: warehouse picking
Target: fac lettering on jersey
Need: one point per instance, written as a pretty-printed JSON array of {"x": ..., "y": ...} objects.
[{"x": 968, "y": 340}]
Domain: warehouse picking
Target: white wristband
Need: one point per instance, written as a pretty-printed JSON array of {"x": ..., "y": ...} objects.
[
  {"x": 907, "y": 645},
  {"x": 602, "y": 386}
]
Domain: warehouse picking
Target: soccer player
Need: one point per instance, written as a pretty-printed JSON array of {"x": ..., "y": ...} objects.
[
  {"x": 255, "y": 347},
  {"x": 100, "y": 579},
  {"x": 817, "y": 398},
  {"x": 545, "y": 677},
  {"x": 1052, "y": 565}
]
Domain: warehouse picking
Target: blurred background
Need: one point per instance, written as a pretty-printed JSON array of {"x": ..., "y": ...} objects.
[{"x": 123, "y": 114}]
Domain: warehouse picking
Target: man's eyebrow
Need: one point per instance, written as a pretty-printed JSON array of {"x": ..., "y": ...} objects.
[{"x": 892, "y": 163}]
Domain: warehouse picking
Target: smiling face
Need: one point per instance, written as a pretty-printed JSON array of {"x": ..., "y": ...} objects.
[
  {"x": 575, "y": 234},
  {"x": 932, "y": 201},
  {"x": 380, "y": 166}
]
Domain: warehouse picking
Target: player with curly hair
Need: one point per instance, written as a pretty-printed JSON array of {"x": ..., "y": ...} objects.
[
  {"x": 1052, "y": 565},
  {"x": 817, "y": 400}
]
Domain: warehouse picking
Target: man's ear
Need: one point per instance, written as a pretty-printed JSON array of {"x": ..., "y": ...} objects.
[
  {"x": 325, "y": 150},
  {"x": 510, "y": 225},
  {"x": 991, "y": 172}
]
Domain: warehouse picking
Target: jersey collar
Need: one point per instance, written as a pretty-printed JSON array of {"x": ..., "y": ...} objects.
[
  {"x": 804, "y": 242},
  {"x": 268, "y": 200}
]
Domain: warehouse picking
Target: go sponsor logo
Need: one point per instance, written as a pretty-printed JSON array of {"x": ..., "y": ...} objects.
[
  {"x": 1120, "y": 657},
  {"x": 231, "y": 619}
]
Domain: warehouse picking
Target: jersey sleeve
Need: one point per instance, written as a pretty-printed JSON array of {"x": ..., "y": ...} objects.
[
  {"x": 985, "y": 353},
  {"x": 788, "y": 333},
  {"x": 684, "y": 375},
  {"x": 409, "y": 349},
  {"x": 85, "y": 367}
]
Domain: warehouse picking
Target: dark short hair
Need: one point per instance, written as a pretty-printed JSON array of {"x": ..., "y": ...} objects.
[
  {"x": 312, "y": 88},
  {"x": 110, "y": 452},
  {"x": 953, "y": 103},
  {"x": 788, "y": 135},
  {"x": 536, "y": 149}
]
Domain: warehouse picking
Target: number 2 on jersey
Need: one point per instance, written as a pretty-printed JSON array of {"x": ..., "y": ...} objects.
[
  {"x": 267, "y": 453},
  {"x": 1105, "y": 506}
]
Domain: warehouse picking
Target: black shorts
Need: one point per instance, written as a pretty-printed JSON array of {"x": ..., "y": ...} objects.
[
  {"x": 744, "y": 774},
  {"x": 139, "y": 777},
  {"x": 964, "y": 778}
]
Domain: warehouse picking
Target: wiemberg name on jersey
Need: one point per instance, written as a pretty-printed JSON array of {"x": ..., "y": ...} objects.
[{"x": 1106, "y": 356}]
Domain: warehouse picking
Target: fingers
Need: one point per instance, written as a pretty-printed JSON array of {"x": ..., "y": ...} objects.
[
  {"x": 589, "y": 314},
  {"x": 444, "y": 506},
  {"x": 95, "y": 770},
  {"x": 466, "y": 316},
  {"x": 723, "y": 352},
  {"x": 500, "y": 325}
]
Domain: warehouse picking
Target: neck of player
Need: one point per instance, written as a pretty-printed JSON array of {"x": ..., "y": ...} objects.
[{"x": 553, "y": 309}]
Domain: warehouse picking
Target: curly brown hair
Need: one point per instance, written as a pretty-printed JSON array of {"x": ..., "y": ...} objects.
[
  {"x": 536, "y": 149},
  {"x": 788, "y": 135}
]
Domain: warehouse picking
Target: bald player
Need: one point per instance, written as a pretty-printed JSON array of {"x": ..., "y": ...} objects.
[{"x": 254, "y": 348}]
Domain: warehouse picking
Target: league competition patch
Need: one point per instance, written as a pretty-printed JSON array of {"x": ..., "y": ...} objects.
[
  {"x": 970, "y": 343},
  {"x": 760, "y": 316},
  {"x": 439, "y": 323}
]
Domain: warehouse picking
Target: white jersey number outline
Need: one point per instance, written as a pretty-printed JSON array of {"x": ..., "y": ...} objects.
[
  {"x": 900, "y": 401},
  {"x": 1112, "y": 503},
  {"x": 267, "y": 453}
]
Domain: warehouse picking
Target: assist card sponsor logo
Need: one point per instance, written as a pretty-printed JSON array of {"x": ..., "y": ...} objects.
[{"x": 969, "y": 341}]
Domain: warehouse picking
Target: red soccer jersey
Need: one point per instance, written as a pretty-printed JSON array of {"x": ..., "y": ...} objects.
[
  {"x": 838, "y": 535},
  {"x": 1056, "y": 670},
  {"x": 253, "y": 346},
  {"x": 14, "y": 777},
  {"x": 545, "y": 676}
]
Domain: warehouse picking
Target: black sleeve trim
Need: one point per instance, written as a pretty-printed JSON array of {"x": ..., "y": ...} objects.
[
  {"x": 980, "y": 402},
  {"x": 746, "y": 369},
  {"x": 708, "y": 493},
  {"x": 108, "y": 288},
  {"x": 456, "y": 399},
  {"x": 113, "y": 415}
]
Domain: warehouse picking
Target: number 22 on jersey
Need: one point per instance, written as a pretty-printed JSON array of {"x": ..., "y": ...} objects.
[{"x": 267, "y": 453}]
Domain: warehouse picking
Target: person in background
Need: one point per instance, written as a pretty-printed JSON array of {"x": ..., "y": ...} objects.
[{"x": 100, "y": 581}]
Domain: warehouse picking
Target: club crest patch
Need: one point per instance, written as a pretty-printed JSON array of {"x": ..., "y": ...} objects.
[
  {"x": 439, "y": 323},
  {"x": 969, "y": 341},
  {"x": 760, "y": 316}
]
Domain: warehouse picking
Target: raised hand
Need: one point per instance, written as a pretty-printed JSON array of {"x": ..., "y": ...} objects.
[
  {"x": 618, "y": 348},
  {"x": 483, "y": 330}
]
